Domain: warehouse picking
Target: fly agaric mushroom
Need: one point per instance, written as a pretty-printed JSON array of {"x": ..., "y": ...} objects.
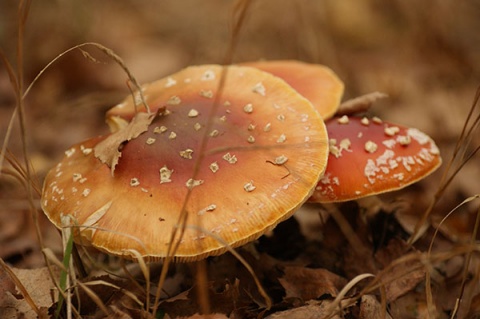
[
  {"x": 265, "y": 151},
  {"x": 369, "y": 156},
  {"x": 319, "y": 84}
]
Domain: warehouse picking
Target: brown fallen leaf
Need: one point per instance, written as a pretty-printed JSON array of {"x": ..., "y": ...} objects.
[
  {"x": 6, "y": 286},
  {"x": 108, "y": 151},
  {"x": 209, "y": 316},
  {"x": 360, "y": 104},
  {"x": 308, "y": 284},
  {"x": 312, "y": 310},
  {"x": 403, "y": 277},
  {"x": 37, "y": 283},
  {"x": 186, "y": 304},
  {"x": 370, "y": 308},
  {"x": 119, "y": 313},
  {"x": 474, "y": 311}
]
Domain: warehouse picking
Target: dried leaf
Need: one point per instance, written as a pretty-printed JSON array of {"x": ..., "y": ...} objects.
[
  {"x": 403, "y": 277},
  {"x": 370, "y": 307},
  {"x": 107, "y": 150},
  {"x": 313, "y": 310},
  {"x": 118, "y": 313},
  {"x": 209, "y": 316},
  {"x": 474, "y": 307},
  {"x": 6, "y": 285},
  {"x": 308, "y": 284},
  {"x": 38, "y": 284},
  {"x": 223, "y": 301},
  {"x": 360, "y": 104}
]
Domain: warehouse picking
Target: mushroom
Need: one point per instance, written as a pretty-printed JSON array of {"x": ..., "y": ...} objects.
[
  {"x": 319, "y": 84},
  {"x": 247, "y": 164},
  {"x": 371, "y": 156}
]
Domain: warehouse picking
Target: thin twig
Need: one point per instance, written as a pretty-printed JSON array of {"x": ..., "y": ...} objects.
[{"x": 448, "y": 176}]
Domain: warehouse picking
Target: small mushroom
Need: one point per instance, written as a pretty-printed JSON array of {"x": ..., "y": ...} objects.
[
  {"x": 319, "y": 84},
  {"x": 372, "y": 157},
  {"x": 235, "y": 200}
]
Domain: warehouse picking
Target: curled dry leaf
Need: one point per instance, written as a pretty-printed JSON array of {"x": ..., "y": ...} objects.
[
  {"x": 108, "y": 151},
  {"x": 312, "y": 310},
  {"x": 37, "y": 283},
  {"x": 370, "y": 307},
  {"x": 403, "y": 277},
  {"x": 360, "y": 104},
  {"x": 308, "y": 284},
  {"x": 6, "y": 286},
  {"x": 209, "y": 316}
]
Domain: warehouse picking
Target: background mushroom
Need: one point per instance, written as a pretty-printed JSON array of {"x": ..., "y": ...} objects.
[
  {"x": 318, "y": 83},
  {"x": 370, "y": 156},
  {"x": 266, "y": 148}
]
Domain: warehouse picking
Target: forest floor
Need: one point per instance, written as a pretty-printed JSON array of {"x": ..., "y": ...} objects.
[{"x": 425, "y": 57}]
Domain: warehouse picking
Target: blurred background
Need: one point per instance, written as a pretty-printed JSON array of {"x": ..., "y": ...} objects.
[{"x": 424, "y": 55}]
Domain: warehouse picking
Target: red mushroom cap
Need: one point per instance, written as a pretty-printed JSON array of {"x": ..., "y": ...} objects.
[
  {"x": 369, "y": 156},
  {"x": 319, "y": 84},
  {"x": 265, "y": 151}
]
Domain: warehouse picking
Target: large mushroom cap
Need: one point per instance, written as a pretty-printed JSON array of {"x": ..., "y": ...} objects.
[
  {"x": 319, "y": 84},
  {"x": 370, "y": 156},
  {"x": 266, "y": 150}
]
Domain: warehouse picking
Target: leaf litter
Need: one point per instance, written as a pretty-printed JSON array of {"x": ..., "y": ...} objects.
[
  {"x": 38, "y": 285},
  {"x": 382, "y": 234}
]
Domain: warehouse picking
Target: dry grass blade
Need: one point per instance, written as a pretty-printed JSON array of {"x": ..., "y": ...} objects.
[
  {"x": 21, "y": 172},
  {"x": 473, "y": 238},
  {"x": 14, "y": 174},
  {"x": 13, "y": 81},
  {"x": 239, "y": 12},
  {"x": 263, "y": 293},
  {"x": 17, "y": 82},
  {"x": 20, "y": 286},
  {"x": 66, "y": 276},
  {"x": 107, "y": 51},
  {"x": 23, "y": 9},
  {"x": 346, "y": 229},
  {"x": 468, "y": 200},
  {"x": 458, "y": 160},
  {"x": 428, "y": 289},
  {"x": 428, "y": 284},
  {"x": 50, "y": 257},
  {"x": 336, "y": 305},
  {"x": 260, "y": 288},
  {"x": 124, "y": 291},
  {"x": 85, "y": 227},
  {"x": 146, "y": 274},
  {"x": 95, "y": 298}
]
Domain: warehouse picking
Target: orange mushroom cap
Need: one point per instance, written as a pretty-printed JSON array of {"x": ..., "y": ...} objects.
[
  {"x": 369, "y": 156},
  {"x": 265, "y": 151},
  {"x": 319, "y": 84}
]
